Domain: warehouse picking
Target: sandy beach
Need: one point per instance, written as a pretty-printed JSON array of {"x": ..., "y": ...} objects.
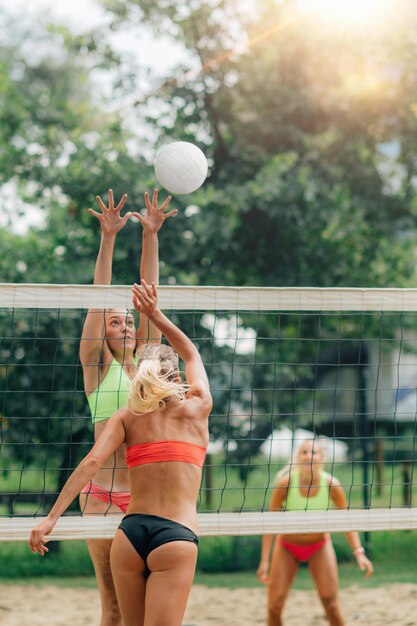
[{"x": 395, "y": 604}]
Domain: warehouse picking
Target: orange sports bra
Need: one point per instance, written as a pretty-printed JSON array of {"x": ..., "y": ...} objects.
[{"x": 163, "y": 451}]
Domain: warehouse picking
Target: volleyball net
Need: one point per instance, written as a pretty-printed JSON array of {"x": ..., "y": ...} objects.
[{"x": 336, "y": 366}]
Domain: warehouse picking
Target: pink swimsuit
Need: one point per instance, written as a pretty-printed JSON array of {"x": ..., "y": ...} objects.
[
  {"x": 303, "y": 553},
  {"x": 142, "y": 454},
  {"x": 120, "y": 498}
]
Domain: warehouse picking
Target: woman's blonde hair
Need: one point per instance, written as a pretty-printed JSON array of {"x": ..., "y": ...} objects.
[
  {"x": 295, "y": 455},
  {"x": 156, "y": 379}
]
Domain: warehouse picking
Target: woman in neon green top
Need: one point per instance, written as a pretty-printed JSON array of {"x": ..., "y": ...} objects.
[
  {"x": 107, "y": 352},
  {"x": 304, "y": 486}
]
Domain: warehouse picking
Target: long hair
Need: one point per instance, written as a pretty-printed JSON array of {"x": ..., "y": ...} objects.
[{"x": 156, "y": 379}]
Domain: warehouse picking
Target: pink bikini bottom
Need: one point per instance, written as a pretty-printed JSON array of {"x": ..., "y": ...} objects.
[
  {"x": 303, "y": 553},
  {"x": 119, "y": 498}
]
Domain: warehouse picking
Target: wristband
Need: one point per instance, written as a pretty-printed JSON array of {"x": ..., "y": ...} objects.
[{"x": 359, "y": 550}]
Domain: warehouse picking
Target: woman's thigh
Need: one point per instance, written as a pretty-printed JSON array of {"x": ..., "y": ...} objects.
[
  {"x": 323, "y": 568},
  {"x": 172, "y": 568},
  {"x": 282, "y": 572},
  {"x": 128, "y": 570}
]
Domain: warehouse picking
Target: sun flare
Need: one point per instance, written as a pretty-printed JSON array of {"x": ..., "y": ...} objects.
[{"x": 349, "y": 11}]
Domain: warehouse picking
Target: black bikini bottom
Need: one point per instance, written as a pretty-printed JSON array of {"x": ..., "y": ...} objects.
[{"x": 147, "y": 532}]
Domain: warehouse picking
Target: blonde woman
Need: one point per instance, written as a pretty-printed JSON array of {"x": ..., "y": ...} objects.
[
  {"x": 108, "y": 349},
  {"x": 305, "y": 486},
  {"x": 165, "y": 429}
]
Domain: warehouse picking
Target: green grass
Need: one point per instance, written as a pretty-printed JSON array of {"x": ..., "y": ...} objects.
[
  {"x": 233, "y": 559},
  {"x": 29, "y": 480},
  {"x": 349, "y": 575},
  {"x": 67, "y": 582},
  {"x": 391, "y": 552},
  {"x": 348, "y": 572},
  {"x": 229, "y": 492},
  {"x": 17, "y": 561}
]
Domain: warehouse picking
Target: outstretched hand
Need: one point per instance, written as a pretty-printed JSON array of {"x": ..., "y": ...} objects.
[
  {"x": 38, "y": 535},
  {"x": 155, "y": 216},
  {"x": 110, "y": 219},
  {"x": 145, "y": 298}
]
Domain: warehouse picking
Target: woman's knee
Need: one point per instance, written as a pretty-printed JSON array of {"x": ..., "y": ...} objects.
[
  {"x": 276, "y": 604},
  {"x": 111, "y": 607},
  {"x": 331, "y": 604}
]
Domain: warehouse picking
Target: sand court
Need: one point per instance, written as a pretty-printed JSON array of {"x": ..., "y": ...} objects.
[{"x": 392, "y": 605}]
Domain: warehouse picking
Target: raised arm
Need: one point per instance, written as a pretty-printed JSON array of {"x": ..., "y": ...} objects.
[
  {"x": 338, "y": 497},
  {"x": 110, "y": 440},
  {"x": 149, "y": 263},
  {"x": 92, "y": 339},
  {"x": 145, "y": 299}
]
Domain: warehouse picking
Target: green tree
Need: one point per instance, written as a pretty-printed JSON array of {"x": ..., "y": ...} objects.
[
  {"x": 311, "y": 132},
  {"x": 59, "y": 146},
  {"x": 311, "y": 136}
]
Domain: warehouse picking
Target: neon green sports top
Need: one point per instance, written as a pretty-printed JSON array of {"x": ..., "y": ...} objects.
[
  {"x": 111, "y": 394},
  {"x": 295, "y": 501}
]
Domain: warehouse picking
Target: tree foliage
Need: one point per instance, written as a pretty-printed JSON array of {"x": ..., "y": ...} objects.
[{"x": 311, "y": 134}]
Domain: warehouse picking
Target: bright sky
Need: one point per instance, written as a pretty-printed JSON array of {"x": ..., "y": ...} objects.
[
  {"x": 160, "y": 54},
  {"x": 351, "y": 11}
]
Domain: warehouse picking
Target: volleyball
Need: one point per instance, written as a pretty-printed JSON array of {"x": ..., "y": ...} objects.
[{"x": 181, "y": 167}]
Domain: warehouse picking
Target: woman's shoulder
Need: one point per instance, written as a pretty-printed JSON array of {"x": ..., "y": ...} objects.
[
  {"x": 196, "y": 406},
  {"x": 282, "y": 479},
  {"x": 331, "y": 480},
  {"x": 121, "y": 414}
]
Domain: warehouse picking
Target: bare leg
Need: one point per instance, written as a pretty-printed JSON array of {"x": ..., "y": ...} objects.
[
  {"x": 323, "y": 568},
  {"x": 172, "y": 567},
  {"x": 281, "y": 575},
  {"x": 100, "y": 555},
  {"x": 129, "y": 577}
]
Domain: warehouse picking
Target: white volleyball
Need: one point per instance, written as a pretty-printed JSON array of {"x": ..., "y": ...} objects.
[{"x": 181, "y": 167}]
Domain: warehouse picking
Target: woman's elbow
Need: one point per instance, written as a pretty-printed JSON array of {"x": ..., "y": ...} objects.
[
  {"x": 91, "y": 465},
  {"x": 209, "y": 402}
]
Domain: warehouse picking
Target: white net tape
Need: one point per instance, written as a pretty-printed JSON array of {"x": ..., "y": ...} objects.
[
  {"x": 211, "y": 298},
  {"x": 89, "y": 527}
]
